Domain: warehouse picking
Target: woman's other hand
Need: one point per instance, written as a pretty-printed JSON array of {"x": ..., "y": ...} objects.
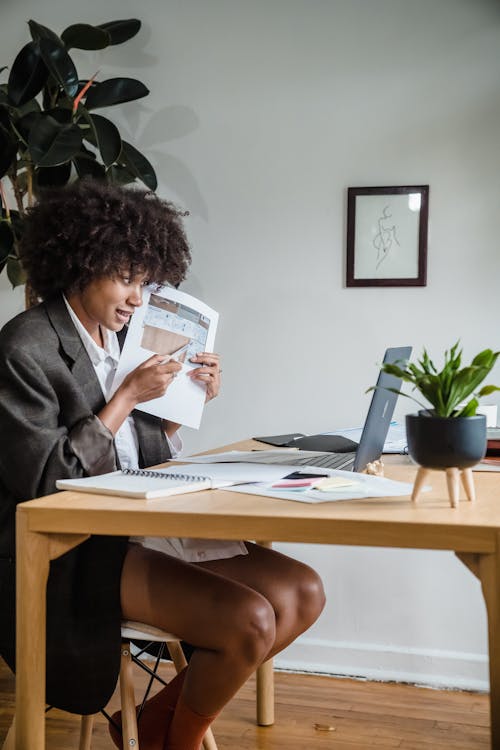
[{"x": 208, "y": 373}]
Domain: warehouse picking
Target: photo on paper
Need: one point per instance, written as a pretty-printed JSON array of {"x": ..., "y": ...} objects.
[
  {"x": 174, "y": 330},
  {"x": 176, "y": 326}
]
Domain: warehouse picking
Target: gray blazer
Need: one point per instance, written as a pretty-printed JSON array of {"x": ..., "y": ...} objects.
[{"x": 49, "y": 395}]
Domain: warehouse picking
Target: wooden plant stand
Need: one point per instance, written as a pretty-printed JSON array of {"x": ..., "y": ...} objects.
[{"x": 453, "y": 476}]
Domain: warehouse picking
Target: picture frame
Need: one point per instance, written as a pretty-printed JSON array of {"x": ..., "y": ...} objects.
[{"x": 387, "y": 236}]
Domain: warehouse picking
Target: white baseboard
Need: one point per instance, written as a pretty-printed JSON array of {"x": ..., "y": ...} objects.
[{"x": 454, "y": 670}]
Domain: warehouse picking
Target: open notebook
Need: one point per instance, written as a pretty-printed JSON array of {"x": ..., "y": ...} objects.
[
  {"x": 173, "y": 480},
  {"x": 143, "y": 483}
]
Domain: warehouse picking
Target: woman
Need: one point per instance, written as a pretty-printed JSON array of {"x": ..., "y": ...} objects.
[{"x": 88, "y": 250}]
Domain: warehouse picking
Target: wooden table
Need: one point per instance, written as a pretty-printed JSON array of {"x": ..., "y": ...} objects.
[{"x": 50, "y": 526}]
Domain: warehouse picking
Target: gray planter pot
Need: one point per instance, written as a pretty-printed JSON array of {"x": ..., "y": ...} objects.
[{"x": 444, "y": 442}]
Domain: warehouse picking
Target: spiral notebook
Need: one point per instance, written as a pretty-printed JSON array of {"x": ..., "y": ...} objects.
[{"x": 142, "y": 483}]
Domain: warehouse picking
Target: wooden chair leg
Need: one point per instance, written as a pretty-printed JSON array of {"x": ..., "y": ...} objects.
[
  {"x": 127, "y": 697},
  {"x": 86, "y": 727},
  {"x": 265, "y": 694},
  {"x": 10, "y": 740},
  {"x": 177, "y": 655},
  {"x": 209, "y": 742}
]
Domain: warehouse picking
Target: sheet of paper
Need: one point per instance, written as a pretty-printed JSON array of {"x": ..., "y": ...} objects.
[
  {"x": 364, "y": 485},
  {"x": 178, "y": 326},
  {"x": 247, "y": 456},
  {"x": 487, "y": 466},
  {"x": 237, "y": 472}
]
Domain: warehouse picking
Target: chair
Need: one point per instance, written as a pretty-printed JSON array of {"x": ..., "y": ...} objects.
[{"x": 150, "y": 634}]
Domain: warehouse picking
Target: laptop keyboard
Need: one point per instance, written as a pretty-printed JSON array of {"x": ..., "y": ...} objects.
[{"x": 306, "y": 458}]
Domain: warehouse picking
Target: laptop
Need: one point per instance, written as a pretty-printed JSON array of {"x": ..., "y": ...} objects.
[{"x": 346, "y": 454}]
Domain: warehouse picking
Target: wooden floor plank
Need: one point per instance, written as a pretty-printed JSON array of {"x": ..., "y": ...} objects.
[{"x": 313, "y": 712}]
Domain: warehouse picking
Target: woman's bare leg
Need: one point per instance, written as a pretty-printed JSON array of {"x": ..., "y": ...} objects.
[
  {"x": 293, "y": 589},
  {"x": 231, "y": 625}
]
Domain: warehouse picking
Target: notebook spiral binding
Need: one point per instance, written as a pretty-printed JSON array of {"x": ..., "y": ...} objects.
[{"x": 161, "y": 475}]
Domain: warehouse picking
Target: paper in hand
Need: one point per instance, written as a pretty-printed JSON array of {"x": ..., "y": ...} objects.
[{"x": 177, "y": 326}]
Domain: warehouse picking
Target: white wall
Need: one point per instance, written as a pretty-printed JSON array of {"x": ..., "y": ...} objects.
[{"x": 260, "y": 116}]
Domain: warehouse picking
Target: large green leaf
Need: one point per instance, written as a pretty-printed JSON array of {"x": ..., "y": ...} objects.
[
  {"x": 120, "y": 175},
  {"x": 87, "y": 127},
  {"x": 15, "y": 272},
  {"x": 86, "y": 165},
  {"x": 108, "y": 139},
  {"x": 6, "y": 240},
  {"x": 41, "y": 32},
  {"x": 469, "y": 410},
  {"x": 121, "y": 31},
  {"x": 27, "y": 75},
  {"x": 138, "y": 165},
  {"x": 115, "y": 91},
  {"x": 60, "y": 65},
  {"x": 85, "y": 36},
  {"x": 53, "y": 176},
  {"x": 61, "y": 115},
  {"x": 31, "y": 106},
  {"x": 487, "y": 390},
  {"x": 52, "y": 143},
  {"x": 8, "y": 151},
  {"x": 4, "y": 117},
  {"x": 24, "y": 125}
]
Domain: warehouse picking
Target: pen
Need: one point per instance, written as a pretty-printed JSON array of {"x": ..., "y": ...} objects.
[{"x": 175, "y": 355}]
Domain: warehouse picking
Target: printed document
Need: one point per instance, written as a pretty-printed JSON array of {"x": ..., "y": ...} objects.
[
  {"x": 356, "y": 487},
  {"x": 178, "y": 326}
]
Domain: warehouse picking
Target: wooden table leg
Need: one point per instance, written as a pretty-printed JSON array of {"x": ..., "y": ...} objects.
[
  {"x": 33, "y": 554},
  {"x": 265, "y": 694},
  {"x": 32, "y": 573},
  {"x": 489, "y": 573},
  {"x": 265, "y": 683}
]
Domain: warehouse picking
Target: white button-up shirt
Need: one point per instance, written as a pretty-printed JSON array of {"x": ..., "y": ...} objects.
[{"x": 105, "y": 362}]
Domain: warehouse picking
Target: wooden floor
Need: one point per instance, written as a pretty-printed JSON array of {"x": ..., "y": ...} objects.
[{"x": 314, "y": 712}]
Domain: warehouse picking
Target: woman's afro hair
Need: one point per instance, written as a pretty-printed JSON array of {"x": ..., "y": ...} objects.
[{"x": 90, "y": 228}]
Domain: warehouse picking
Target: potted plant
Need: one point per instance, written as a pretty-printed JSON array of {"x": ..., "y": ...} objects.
[
  {"x": 447, "y": 433},
  {"x": 50, "y": 131}
]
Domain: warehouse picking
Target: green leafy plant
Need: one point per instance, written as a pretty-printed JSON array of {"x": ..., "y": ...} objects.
[
  {"x": 50, "y": 132},
  {"x": 447, "y": 389}
]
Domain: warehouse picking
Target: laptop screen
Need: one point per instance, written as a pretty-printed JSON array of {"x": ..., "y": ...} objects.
[{"x": 380, "y": 411}]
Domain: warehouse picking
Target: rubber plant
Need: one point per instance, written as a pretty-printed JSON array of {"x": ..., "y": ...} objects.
[{"x": 50, "y": 132}]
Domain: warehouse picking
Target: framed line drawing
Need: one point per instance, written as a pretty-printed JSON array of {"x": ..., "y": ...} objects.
[{"x": 387, "y": 236}]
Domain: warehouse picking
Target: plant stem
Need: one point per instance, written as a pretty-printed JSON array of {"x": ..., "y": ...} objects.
[
  {"x": 18, "y": 194},
  {"x": 30, "y": 185},
  {"x": 4, "y": 202}
]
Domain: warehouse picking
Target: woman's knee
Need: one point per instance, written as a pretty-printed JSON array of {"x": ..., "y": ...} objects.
[
  {"x": 253, "y": 629},
  {"x": 311, "y": 597},
  {"x": 299, "y": 603}
]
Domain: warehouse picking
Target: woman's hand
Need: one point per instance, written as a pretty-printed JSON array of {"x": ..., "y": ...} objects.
[
  {"x": 208, "y": 373},
  {"x": 150, "y": 379}
]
